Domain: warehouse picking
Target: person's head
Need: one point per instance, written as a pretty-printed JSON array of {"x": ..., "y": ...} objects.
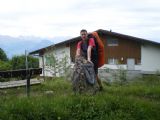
[{"x": 84, "y": 34}]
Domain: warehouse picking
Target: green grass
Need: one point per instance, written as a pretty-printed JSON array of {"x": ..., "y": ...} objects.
[{"x": 138, "y": 100}]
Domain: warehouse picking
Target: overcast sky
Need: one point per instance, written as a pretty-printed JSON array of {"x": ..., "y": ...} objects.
[{"x": 51, "y": 18}]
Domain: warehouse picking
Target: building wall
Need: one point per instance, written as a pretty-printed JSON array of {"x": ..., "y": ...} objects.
[
  {"x": 150, "y": 57},
  {"x": 73, "y": 47},
  {"x": 124, "y": 50},
  {"x": 59, "y": 52},
  {"x": 41, "y": 65}
]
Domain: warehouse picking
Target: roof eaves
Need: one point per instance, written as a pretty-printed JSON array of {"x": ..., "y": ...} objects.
[
  {"x": 100, "y": 31},
  {"x": 42, "y": 49}
]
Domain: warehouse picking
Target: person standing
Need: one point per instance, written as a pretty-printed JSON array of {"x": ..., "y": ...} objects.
[{"x": 88, "y": 49}]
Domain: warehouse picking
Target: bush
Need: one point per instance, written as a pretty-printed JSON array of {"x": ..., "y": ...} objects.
[{"x": 5, "y": 65}]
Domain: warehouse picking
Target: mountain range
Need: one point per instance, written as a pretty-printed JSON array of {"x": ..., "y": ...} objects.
[{"x": 17, "y": 45}]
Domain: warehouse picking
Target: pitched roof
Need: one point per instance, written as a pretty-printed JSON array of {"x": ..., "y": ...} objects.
[
  {"x": 128, "y": 37},
  {"x": 100, "y": 32}
]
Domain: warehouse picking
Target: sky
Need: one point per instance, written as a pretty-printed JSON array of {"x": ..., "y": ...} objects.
[{"x": 52, "y": 18}]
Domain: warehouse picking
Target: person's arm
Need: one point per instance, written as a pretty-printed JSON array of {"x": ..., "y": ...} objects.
[
  {"x": 89, "y": 53},
  {"x": 78, "y": 51},
  {"x": 89, "y": 50}
]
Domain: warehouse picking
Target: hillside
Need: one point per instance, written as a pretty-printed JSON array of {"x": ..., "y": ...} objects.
[{"x": 17, "y": 46}]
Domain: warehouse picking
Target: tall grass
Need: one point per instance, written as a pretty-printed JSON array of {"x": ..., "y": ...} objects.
[{"x": 134, "y": 101}]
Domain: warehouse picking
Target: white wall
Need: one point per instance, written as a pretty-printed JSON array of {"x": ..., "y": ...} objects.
[
  {"x": 41, "y": 65},
  {"x": 59, "y": 53},
  {"x": 150, "y": 59},
  {"x": 62, "y": 51}
]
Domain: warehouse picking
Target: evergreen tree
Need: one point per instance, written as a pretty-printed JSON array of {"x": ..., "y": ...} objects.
[{"x": 3, "y": 56}]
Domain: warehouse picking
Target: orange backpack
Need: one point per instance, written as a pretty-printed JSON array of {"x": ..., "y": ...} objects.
[{"x": 100, "y": 49}]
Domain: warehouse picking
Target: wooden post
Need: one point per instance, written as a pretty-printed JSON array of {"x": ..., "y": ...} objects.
[
  {"x": 27, "y": 75},
  {"x": 28, "y": 83}
]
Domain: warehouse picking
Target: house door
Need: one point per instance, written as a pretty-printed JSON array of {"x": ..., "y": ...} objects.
[{"x": 130, "y": 63}]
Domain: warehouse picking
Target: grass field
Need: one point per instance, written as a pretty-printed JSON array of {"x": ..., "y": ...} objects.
[{"x": 54, "y": 100}]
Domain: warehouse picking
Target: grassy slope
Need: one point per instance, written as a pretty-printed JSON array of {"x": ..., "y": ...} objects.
[{"x": 133, "y": 101}]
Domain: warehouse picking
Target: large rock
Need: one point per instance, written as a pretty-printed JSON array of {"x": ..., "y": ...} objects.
[{"x": 83, "y": 78}]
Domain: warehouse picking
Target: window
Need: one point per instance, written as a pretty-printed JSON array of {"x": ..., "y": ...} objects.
[
  {"x": 112, "y": 42},
  {"x": 112, "y": 61}
]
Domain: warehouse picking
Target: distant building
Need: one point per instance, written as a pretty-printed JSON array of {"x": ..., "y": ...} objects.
[{"x": 130, "y": 52}]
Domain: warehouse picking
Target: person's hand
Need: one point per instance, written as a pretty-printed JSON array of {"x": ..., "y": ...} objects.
[
  {"x": 89, "y": 60},
  {"x": 77, "y": 55}
]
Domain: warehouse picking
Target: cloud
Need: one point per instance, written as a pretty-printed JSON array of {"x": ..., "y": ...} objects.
[{"x": 47, "y": 18}]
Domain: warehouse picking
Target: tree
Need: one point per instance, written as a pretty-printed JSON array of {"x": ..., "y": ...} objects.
[
  {"x": 5, "y": 65},
  {"x": 3, "y": 56},
  {"x": 18, "y": 62}
]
